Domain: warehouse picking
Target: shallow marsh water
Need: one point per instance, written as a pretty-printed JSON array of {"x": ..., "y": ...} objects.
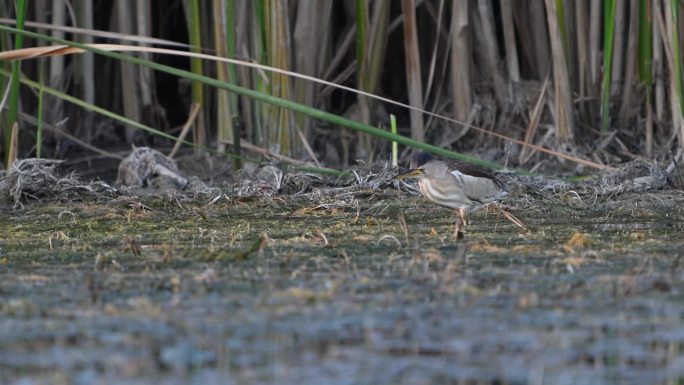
[{"x": 286, "y": 291}]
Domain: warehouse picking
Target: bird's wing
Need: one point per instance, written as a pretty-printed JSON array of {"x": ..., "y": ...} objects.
[
  {"x": 481, "y": 187},
  {"x": 471, "y": 169}
]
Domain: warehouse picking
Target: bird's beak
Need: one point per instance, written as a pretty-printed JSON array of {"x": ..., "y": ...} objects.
[{"x": 415, "y": 173}]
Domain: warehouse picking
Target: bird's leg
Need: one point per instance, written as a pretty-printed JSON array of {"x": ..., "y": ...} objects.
[
  {"x": 457, "y": 228},
  {"x": 464, "y": 216},
  {"x": 461, "y": 220}
]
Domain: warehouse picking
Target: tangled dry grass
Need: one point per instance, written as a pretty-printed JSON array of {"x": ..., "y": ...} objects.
[
  {"x": 35, "y": 179},
  {"x": 40, "y": 179}
]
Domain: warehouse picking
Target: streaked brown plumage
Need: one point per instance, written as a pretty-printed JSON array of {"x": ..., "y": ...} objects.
[{"x": 456, "y": 185}]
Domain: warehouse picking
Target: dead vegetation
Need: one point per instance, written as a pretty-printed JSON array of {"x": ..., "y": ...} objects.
[{"x": 35, "y": 179}]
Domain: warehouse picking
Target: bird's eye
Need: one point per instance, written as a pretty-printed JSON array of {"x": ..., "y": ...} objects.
[{"x": 421, "y": 169}]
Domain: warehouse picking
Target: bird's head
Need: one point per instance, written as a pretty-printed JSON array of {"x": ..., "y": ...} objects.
[
  {"x": 421, "y": 158},
  {"x": 423, "y": 165},
  {"x": 412, "y": 173}
]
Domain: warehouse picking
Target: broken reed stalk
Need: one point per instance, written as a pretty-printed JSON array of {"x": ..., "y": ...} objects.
[
  {"x": 535, "y": 117},
  {"x": 194, "y": 110}
]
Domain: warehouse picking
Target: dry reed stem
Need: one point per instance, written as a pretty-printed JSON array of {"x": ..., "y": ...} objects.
[
  {"x": 626, "y": 106},
  {"x": 130, "y": 81},
  {"x": 461, "y": 61},
  {"x": 413, "y": 72},
  {"x": 486, "y": 34},
  {"x": 510, "y": 43},
  {"x": 561, "y": 78}
]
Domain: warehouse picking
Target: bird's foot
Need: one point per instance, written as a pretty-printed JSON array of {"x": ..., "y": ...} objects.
[{"x": 458, "y": 234}]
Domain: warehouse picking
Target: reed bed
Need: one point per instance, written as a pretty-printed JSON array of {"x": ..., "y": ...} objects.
[{"x": 599, "y": 81}]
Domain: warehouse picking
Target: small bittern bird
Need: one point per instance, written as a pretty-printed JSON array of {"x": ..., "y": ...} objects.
[{"x": 458, "y": 185}]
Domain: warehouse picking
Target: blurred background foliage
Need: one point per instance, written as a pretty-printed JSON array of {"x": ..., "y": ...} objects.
[{"x": 598, "y": 79}]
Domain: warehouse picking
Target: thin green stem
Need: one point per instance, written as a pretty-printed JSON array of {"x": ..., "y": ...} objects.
[
  {"x": 232, "y": 77},
  {"x": 260, "y": 48},
  {"x": 395, "y": 145},
  {"x": 14, "y": 81},
  {"x": 196, "y": 67}
]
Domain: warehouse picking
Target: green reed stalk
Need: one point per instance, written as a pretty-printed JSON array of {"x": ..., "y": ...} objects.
[
  {"x": 395, "y": 145},
  {"x": 194, "y": 30},
  {"x": 14, "y": 81},
  {"x": 232, "y": 77},
  {"x": 259, "y": 41},
  {"x": 645, "y": 55}
]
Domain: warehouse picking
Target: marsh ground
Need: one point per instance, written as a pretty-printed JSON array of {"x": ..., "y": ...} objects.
[{"x": 335, "y": 290}]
